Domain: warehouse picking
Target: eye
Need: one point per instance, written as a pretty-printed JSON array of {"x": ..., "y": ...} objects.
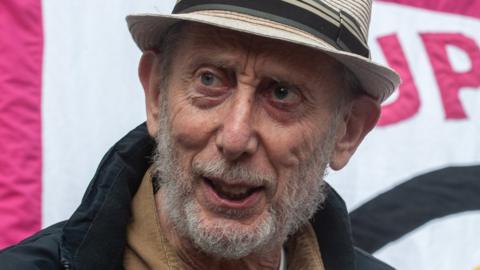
[
  {"x": 209, "y": 87},
  {"x": 281, "y": 92},
  {"x": 209, "y": 79},
  {"x": 284, "y": 96}
]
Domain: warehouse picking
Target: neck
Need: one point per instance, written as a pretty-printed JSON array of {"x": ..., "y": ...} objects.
[{"x": 192, "y": 258}]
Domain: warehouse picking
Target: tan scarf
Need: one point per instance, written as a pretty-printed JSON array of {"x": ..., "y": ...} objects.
[{"x": 147, "y": 247}]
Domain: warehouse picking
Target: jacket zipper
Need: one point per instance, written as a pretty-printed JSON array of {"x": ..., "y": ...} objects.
[{"x": 66, "y": 265}]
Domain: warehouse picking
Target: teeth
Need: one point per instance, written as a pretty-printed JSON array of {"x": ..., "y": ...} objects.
[
  {"x": 233, "y": 190},
  {"x": 232, "y": 193}
]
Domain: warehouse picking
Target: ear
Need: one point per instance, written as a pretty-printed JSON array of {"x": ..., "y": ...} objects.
[
  {"x": 357, "y": 121},
  {"x": 149, "y": 73}
]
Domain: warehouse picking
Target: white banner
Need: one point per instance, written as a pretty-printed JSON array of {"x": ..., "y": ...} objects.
[{"x": 92, "y": 97}]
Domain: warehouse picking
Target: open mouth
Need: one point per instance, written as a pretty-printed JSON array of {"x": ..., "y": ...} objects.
[{"x": 235, "y": 193}]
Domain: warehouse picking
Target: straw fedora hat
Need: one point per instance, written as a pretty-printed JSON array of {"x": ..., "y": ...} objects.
[{"x": 338, "y": 28}]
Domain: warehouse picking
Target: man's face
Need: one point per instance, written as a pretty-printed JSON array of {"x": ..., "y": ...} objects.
[{"x": 247, "y": 127}]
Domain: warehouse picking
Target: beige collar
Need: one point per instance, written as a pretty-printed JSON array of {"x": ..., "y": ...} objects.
[{"x": 147, "y": 247}]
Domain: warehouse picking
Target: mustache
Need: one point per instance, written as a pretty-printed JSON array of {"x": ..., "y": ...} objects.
[{"x": 235, "y": 173}]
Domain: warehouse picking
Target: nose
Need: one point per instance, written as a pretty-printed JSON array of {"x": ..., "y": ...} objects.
[{"x": 237, "y": 136}]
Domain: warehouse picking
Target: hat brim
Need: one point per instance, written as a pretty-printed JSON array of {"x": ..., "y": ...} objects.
[{"x": 378, "y": 81}]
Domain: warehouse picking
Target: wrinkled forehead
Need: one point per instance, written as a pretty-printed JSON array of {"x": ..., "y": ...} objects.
[{"x": 205, "y": 39}]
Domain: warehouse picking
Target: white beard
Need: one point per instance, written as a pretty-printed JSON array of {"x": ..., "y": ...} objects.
[{"x": 226, "y": 238}]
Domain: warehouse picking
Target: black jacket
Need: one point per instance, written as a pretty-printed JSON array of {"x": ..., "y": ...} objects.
[{"x": 94, "y": 237}]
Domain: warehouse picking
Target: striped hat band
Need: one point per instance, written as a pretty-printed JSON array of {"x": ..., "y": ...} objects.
[
  {"x": 318, "y": 18},
  {"x": 338, "y": 28}
]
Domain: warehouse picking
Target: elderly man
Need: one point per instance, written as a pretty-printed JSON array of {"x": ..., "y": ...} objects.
[{"x": 248, "y": 102}]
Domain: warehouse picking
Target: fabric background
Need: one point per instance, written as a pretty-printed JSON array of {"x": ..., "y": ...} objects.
[{"x": 69, "y": 90}]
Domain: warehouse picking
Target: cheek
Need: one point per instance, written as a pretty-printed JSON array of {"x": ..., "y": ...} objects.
[
  {"x": 291, "y": 146},
  {"x": 289, "y": 149},
  {"x": 191, "y": 128}
]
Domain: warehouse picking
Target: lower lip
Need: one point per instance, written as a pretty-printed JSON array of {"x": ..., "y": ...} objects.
[{"x": 248, "y": 202}]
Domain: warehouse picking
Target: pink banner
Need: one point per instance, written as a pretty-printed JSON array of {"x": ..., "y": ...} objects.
[
  {"x": 461, "y": 7},
  {"x": 21, "y": 53}
]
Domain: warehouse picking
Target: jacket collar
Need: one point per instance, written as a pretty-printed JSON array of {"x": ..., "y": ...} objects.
[{"x": 105, "y": 212}]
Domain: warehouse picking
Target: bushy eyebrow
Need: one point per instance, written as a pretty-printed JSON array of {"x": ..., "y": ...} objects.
[
  {"x": 232, "y": 65},
  {"x": 213, "y": 60}
]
